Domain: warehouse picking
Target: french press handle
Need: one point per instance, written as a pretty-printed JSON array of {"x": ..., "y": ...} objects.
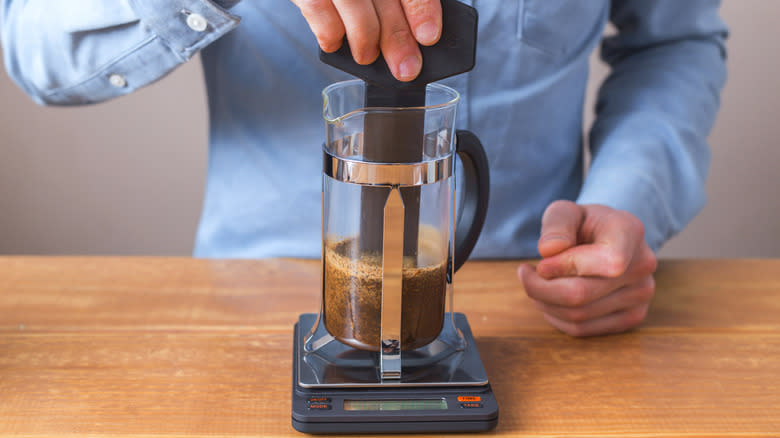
[{"x": 476, "y": 191}]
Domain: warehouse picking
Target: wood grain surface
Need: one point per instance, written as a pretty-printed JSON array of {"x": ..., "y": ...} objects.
[{"x": 185, "y": 347}]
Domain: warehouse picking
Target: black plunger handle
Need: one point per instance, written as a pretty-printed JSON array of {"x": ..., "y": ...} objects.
[
  {"x": 455, "y": 53},
  {"x": 476, "y": 191}
]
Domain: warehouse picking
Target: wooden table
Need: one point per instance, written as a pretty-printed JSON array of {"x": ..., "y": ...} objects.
[{"x": 185, "y": 347}]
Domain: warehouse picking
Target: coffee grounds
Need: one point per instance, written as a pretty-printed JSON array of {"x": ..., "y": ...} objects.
[{"x": 353, "y": 298}]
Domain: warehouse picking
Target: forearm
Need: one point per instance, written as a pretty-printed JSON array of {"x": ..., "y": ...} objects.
[
  {"x": 654, "y": 113},
  {"x": 65, "y": 53}
]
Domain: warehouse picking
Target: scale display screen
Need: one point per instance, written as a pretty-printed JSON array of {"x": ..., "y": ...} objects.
[{"x": 395, "y": 405}]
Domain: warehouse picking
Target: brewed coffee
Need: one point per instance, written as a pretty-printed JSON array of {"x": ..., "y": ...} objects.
[{"x": 353, "y": 296}]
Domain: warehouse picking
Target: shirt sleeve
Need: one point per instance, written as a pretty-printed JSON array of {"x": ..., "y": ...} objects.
[
  {"x": 655, "y": 111},
  {"x": 69, "y": 53}
]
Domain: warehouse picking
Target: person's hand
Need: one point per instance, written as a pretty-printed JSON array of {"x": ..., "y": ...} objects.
[
  {"x": 596, "y": 275},
  {"x": 392, "y": 26}
]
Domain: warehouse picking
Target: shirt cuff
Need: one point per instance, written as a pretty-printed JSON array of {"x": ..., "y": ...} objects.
[
  {"x": 186, "y": 26},
  {"x": 177, "y": 30}
]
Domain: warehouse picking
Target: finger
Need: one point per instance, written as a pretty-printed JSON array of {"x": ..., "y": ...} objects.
[
  {"x": 399, "y": 47},
  {"x": 616, "y": 236},
  {"x": 324, "y": 21},
  {"x": 362, "y": 28},
  {"x": 424, "y": 18},
  {"x": 580, "y": 291},
  {"x": 560, "y": 223},
  {"x": 624, "y": 298},
  {"x": 617, "y": 322},
  {"x": 645, "y": 261},
  {"x": 571, "y": 292}
]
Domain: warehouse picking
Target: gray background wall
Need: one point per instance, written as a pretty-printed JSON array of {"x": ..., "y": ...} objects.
[{"x": 126, "y": 177}]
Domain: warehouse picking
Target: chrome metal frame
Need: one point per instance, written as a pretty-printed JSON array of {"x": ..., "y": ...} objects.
[
  {"x": 394, "y": 176},
  {"x": 392, "y": 281},
  {"x": 386, "y": 174}
]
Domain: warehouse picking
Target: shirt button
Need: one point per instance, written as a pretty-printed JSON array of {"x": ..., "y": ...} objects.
[
  {"x": 117, "y": 80},
  {"x": 197, "y": 23}
]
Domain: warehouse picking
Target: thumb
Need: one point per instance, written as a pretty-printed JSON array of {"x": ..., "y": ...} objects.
[{"x": 560, "y": 224}]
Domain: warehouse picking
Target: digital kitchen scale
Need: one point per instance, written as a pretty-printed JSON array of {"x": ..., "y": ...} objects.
[{"x": 339, "y": 389}]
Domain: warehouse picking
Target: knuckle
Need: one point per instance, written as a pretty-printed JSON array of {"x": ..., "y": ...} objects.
[
  {"x": 570, "y": 264},
  {"x": 366, "y": 34},
  {"x": 650, "y": 283},
  {"x": 649, "y": 261},
  {"x": 617, "y": 264},
  {"x": 363, "y": 34},
  {"x": 577, "y": 296},
  {"x": 635, "y": 316},
  {"x": 639, "y": 227},
  {"x": 418, "y": 8},
  {"x": 576, "y": 315},
  {"x": 400, "y": 36},
  {"x": 631, "y": 221},
  {"x": 646, "y": 291}
]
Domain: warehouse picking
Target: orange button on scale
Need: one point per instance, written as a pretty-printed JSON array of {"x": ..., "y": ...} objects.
[
  {"x": 469, "y": 398},
  {"x": 319, "y": 400}
]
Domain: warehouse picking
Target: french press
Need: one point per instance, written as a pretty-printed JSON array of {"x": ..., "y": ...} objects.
[{"x": 391, "y": 243}]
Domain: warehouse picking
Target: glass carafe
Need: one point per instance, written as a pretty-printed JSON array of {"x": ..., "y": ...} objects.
[{"x": 388, "y": 217}]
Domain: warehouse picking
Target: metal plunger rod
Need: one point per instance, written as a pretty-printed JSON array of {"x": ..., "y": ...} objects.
[
  {"x": 392, "y": 138},
  {"x": 390, "y": 221}
]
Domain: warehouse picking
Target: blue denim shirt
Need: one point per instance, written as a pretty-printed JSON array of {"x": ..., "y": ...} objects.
[{"x": 524, "y": 99}]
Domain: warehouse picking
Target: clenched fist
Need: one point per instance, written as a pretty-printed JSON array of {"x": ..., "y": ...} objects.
[
  {"x": 596, "y": 273},
  {"x": 392, "y": 27}
]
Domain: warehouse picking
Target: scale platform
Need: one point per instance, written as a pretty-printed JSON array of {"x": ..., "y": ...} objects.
[{"x": 338, "y": 389}]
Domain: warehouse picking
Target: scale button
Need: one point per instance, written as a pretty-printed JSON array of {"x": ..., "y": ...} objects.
[
  {"x": 469, "y": 398},
  {"x": 319, "y": 399},
  {"x": 319, "y": 406},
  {"x": 470, "y": 405}
]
